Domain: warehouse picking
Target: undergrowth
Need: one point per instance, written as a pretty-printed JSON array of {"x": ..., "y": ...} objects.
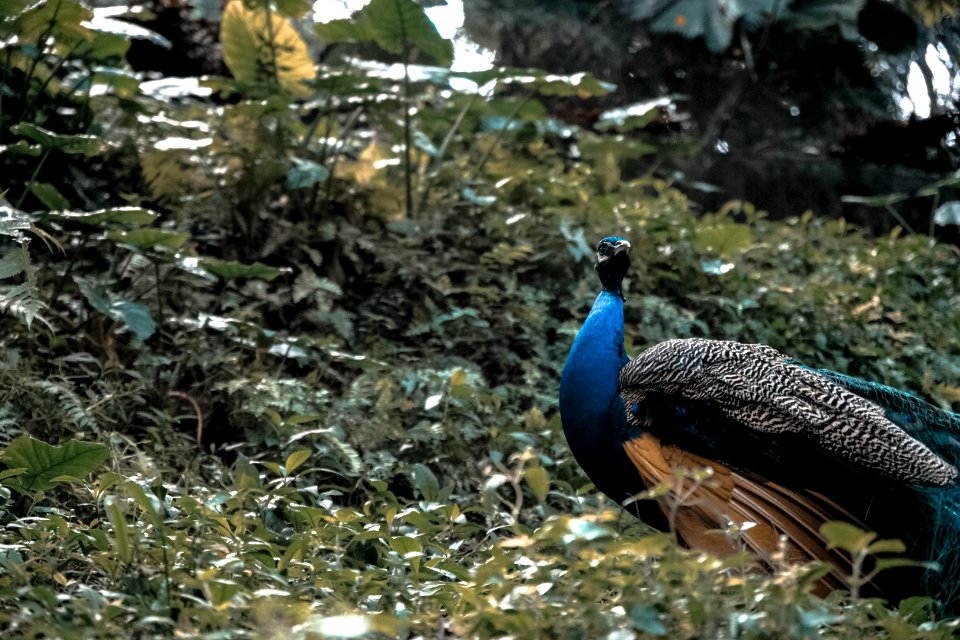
[{"x": 314, "y": 368}]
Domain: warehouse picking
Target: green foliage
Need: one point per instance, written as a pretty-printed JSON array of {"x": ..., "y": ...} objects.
[
  {"x": 329, "y": 414},
  {"x": 41, "y": 467}
]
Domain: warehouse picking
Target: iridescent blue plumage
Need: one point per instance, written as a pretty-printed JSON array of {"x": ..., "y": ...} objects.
[{"x": 792, "y": 446}]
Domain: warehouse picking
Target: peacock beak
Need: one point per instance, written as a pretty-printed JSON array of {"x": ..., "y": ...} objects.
[{"x": 620, "y": 247}]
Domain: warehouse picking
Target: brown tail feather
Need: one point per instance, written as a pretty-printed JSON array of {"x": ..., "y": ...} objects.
[{"x": 730, "y": 498}]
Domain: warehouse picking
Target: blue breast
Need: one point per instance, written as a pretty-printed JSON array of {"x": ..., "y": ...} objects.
[{"x": 592, "y": 412}]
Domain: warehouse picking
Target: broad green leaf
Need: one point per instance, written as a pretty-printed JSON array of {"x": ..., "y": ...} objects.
[
  {"x": 87, "y": 145},
  {"x": 539, "y": 481},
  {"x": 10, "y": 8},
  {"x": 44, "y": 462},
  {"x": 344, "y": 30},
  {"x": 108, "y": 217},
  {"x": 231, "y": 270},
  {"x": 121, "y": 534},
  {"x": 49, "y": 195},
  {"x": 306, "y": 173},
  {"x": 63, "y": 19},
  {"x": 259, "y": 45},
  {"x": 296, "y": 459},
  {"x": 398, "y": 24},
  {"x": 425, "y": 482},
  {"x": 148, "y": 237},
  {"x": 295, "y": 9},
  {"x": 134, "y": 315}
]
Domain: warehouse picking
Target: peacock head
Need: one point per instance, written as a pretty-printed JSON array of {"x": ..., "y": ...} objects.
[{"x": 613, "y": 260}]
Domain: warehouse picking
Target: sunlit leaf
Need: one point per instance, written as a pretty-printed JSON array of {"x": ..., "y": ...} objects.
[
  {"x": 539, "y": 481},
  {"x": 85, "y": 144},
  {"x": 262, "y": 46},
  {"x": 107, "y": 217},
  {"x": 296, "y": 459}
]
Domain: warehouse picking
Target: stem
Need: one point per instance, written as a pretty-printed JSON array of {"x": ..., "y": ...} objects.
[
  {"x": 499, "y": 136},
  {"x": 335, "y": 155},
  {"x": 3, "y": 83},
  {"x": 900, "y": 219},
  {"x": 46, "y": 82},
  {"x": 41, "y": 45},
  {"x": 407, "y": 171},
  {"x": 33, "y": 177},
  {"x": 156, "y": 273},
  {"x": 435, "y": 164}
]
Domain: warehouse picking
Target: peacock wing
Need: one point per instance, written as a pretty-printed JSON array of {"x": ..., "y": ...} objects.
[
  {"x": 785, "y": 524},
  {"x": 760, "y": 388},
  {"x": 938, "y": 429}
]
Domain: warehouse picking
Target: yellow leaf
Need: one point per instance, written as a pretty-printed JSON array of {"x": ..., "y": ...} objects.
[{"x": 259, "y": 45}]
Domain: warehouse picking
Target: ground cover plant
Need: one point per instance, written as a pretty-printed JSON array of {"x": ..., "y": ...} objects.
[{"x": 280, "y": 350}]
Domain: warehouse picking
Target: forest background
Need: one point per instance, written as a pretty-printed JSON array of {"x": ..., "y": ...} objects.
[{"x": 286, "y": 298}]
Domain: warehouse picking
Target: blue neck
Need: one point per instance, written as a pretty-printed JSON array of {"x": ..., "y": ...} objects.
[{"x": 591, "y": 409}]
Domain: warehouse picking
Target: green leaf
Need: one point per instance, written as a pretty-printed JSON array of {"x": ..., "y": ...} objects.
[
  {"x": 725, "y": 239},
  {"x": 633, "y": 116},
  {"x": 49, "y": 195},
  {"x": 231, "y": 270},
  {"x": 295, "y": 9},
  {"x": 306, "y": 173},
  {"x": 121, "y": 534},
  {"x": 425, "y": 482},
  {"x": 344, "y": 31},
  {"x": 646, "y": 618},
  {"x": 887, "y": 546},
  {"x": 884, "y": 200},
  {"x": 133, "y": 315},
  {"x": 21, "y": 147},
  {"x": 44, "y": 462},
  {"x": 398, "y": 24},
  {"x": 846, "y": 536},
  {"x": 408, "y": 549},
  {"x": 296, "y": 459},
  {"x": 148, "y": 237},
  {"x": 108, "y": 217},
  {"x": 539, "y": 481},
  {"x": 87, "y": 145}
]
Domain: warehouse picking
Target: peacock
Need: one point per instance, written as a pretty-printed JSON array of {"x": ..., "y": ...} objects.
[{"x": 790, "y": 446}]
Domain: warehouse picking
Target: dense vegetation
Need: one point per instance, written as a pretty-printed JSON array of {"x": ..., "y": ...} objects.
[{"x": 298, "y": 332}]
